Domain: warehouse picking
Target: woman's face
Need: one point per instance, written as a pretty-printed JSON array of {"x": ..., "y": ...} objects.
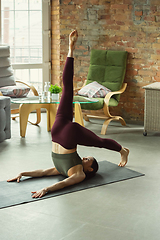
[{"x": 87, "y": 163}]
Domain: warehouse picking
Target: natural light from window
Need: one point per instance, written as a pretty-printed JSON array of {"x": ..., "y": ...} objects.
[{"x": 21, "y": 24}]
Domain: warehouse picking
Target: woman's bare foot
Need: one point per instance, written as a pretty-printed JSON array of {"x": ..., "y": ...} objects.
[
  {"x": 73, "y": 36},
  {"x": 124, "y": 157}
]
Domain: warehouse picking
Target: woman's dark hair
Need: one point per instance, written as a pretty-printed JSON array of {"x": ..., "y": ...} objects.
[{"x": 95, "y": 169}]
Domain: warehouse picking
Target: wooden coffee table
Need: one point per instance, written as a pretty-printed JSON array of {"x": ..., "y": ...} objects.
[{"x": 29, "y": 104}]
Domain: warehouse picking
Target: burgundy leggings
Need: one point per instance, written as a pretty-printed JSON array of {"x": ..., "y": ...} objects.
[{"x": 67, "y": 133}]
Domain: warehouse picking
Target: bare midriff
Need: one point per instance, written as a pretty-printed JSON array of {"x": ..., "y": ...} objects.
[{"x": 57, "y": 148}]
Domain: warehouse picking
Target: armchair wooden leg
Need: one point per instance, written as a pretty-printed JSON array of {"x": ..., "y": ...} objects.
[
  {"x": 122, "y": 121},
  {"x": 106, "y": 123},
  {"x": 13, "y": 118},
  {"x": 86, "y": 117},
  {"x": 14, "y": 111}
]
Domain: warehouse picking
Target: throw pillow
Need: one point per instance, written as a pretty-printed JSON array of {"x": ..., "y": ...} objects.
[
  {"x": 94, "y": 90},
  {"x": 16, "y": 91}
]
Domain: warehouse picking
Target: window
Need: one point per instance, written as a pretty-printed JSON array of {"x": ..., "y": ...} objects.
[{"x": 25, "y": 27}]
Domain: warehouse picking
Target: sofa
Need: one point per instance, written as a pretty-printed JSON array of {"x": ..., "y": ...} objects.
[{"x": 5, "y": 118}]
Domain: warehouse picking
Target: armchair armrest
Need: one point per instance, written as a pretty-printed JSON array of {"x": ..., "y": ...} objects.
[
  {"x": 110, "y": 94},
  {"x": 30, "y": 86}
]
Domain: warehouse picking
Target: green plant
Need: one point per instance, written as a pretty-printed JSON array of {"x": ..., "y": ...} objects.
[{"x": 55, "y": 89}]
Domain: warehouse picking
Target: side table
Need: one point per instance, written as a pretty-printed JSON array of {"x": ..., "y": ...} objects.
[{"x": 152, "y": 108}]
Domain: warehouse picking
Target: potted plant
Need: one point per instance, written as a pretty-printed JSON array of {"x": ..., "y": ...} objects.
[{"x": 55, "y": 90}]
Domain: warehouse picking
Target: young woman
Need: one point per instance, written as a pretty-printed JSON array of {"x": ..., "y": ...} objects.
[{"x": 66, "y": 135}]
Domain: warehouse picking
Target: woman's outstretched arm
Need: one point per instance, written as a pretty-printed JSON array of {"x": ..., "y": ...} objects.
[
  {"x": 73, "y": 179},
  {"x": 36, "y": 173}
]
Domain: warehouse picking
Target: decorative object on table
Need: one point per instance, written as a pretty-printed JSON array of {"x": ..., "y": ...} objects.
[
  {"x": 108, "y": 69},
  {"x": 46, "y": 93},
  {"x": 55, "y": 90},
  {"x": 39, "y": 90}
]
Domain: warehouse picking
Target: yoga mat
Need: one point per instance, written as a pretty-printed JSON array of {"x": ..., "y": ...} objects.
[{"x": 13, "y": 193}]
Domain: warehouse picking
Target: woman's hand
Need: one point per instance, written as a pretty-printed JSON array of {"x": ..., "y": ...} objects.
[
  {"x": 15, "y": 179},
  {"x": 39, "y": 193}
]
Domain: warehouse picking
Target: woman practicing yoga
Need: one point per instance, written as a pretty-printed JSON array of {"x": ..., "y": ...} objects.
[{"x": 66, "y": 135}]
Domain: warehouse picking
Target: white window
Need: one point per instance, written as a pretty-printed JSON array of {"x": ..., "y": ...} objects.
[{"x": 25, "y": 27}]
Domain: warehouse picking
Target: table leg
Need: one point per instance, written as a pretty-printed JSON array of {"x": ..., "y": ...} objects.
[
  {"x": 47, "y": 107},
  {"x": 78, "y": 114},
  {"x": 24, "y": 111},
  {"x": 53, "y": 111},
  {"x": 38, "y": 111}
]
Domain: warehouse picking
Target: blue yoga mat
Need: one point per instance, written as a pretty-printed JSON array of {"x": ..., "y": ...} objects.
[{"x": 13, "y": 193}]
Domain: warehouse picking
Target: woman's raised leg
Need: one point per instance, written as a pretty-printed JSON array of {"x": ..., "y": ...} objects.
[
  {"x": 86, "y": 137},
  {"x": 66, "y": 103}
]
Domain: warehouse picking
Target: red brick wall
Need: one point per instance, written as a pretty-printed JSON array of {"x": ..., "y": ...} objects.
[{"x": 131, "y": 25}]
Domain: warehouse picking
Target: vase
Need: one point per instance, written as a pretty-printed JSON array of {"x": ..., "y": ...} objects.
[{"x": 55, "y": 97}]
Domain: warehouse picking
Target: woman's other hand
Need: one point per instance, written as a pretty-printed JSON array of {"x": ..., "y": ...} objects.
[{"x": 15, "y": 179}]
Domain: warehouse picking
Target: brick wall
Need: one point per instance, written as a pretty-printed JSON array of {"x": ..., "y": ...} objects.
[{"x": 131, "y": 25}]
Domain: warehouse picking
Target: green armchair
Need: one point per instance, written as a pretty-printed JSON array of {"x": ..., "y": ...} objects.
[{"x": 107, "y": 68}]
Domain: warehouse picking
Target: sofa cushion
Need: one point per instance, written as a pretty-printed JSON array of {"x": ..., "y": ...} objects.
[
  {"x": 4, "y": 62},
  {"x": 7, "y": 81},
  {"x": 6, "y": 72},
  {"x": 5, "y": 51}
]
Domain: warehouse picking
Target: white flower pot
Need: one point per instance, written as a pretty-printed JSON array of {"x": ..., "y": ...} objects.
[{"x": 55, "y": 97}]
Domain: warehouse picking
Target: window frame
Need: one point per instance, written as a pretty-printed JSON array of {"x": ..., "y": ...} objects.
[{"x": 46, "y": 44}]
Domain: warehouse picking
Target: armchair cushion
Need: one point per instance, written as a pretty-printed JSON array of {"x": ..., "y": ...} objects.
[
  {"x": 107, "y": 68},
  {"x": 94, "y": 90},
  {"x": 15, "y": 91},
  {"x": 95, "y": 105}
]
